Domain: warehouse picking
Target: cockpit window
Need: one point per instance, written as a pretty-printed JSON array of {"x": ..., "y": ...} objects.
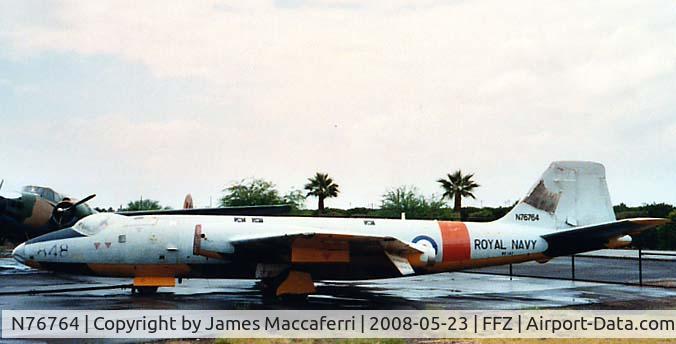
[
  {"x": 44, "y": 192},
  {"x": 95, "y": 223}
]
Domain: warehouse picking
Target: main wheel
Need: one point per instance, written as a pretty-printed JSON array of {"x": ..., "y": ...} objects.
[
  {"x": 146, "y": 290},
  {"x": 293, "y": 298},
  {"x": 268, "y": 287}
]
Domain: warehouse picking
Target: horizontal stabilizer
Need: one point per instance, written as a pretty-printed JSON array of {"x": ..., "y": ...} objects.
[{"x": 595, "y": 237}]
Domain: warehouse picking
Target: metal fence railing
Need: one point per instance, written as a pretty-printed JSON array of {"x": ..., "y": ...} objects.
[{"x": 641, "y": 268}]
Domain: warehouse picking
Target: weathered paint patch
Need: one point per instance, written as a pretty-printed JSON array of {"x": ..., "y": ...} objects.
[
  {"x": 40, "y": 213},
  {"x": 543, "y": 199},
  {"x": 319, "y": 251},
  {"x": 455, "y": 241}
]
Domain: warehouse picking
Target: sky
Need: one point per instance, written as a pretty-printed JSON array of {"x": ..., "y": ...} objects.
[{"x": 157, "y": 99}]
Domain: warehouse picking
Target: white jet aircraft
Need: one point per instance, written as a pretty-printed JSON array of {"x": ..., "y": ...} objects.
[{"x": 567, "y": 211}]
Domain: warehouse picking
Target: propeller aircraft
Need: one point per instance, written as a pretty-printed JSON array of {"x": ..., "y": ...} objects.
[{"x": 39, "y": 210}]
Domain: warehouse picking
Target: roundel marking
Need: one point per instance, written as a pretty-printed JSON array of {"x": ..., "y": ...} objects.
[{"x": 430, "y": 240}]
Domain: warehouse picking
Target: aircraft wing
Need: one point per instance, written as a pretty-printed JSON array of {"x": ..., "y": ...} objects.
[
  {"x": 263, "y": 210},
  {"x": 316, "y": 247},
  {"x": 595, "y": 237}
]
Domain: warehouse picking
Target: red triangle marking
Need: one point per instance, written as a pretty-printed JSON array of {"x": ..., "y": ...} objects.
[
  {"x": 107, "y": 245},
  {"x": 97, "y": 244}
]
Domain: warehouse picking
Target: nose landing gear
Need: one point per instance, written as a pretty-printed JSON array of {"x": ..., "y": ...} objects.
[
  {"x": 144, "y": 291},
  {"x": 149, "y": 285}
]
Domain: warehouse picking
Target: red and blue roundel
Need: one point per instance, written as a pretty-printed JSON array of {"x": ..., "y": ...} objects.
[{"x": 425, "y": 238}]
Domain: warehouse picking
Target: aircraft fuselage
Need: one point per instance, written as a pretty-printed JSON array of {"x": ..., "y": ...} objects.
[{"x": 166, "y": 246}]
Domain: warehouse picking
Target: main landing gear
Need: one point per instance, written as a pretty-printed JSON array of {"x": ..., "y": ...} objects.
[{"x": 291, "y": 285}]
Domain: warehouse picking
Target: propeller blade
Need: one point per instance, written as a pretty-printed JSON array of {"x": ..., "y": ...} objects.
[
  {"x": 2, "y": 182},
  {"x": 84, "y": 200}
]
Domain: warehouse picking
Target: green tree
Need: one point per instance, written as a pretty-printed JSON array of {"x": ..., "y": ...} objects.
[
  {"x": 295, "y": 198},
  {"x": 669, "y": 230},
  {"x": 407, "y": 199},
  {"x": 458, "y": 186},
  {"x": 322, "y": 187},
  {"x": 658, "y": 209},
  {"x": 251, "y": 192},
  {"x": 404, "y": 199},
  {"x": 142, "y": 204}
]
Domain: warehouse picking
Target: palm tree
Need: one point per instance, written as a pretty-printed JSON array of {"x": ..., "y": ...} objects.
[
  {"x": 458, "y": 186},
  {"x": 321, "y": 186}
]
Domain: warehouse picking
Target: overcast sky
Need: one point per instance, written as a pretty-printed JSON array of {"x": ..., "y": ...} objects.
[{"x": 159, "y": 98}]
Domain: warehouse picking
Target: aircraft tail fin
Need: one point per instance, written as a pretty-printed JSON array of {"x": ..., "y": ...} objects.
[
  {"x": 569, "y": 194},
  {"x": 187, "y": 202}
]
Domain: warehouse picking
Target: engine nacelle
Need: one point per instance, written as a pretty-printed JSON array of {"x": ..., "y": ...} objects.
[
  {"x": 622, "y": 241},
  {"x": 428, "y": 252}
]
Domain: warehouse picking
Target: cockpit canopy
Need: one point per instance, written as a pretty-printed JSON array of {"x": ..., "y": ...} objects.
[
  {"x": 44, "y": 192},
  {"x": 95, "y": 223}
]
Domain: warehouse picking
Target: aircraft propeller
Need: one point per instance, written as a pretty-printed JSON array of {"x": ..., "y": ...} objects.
[
  {"x": 64, "y": 214},
  {"x": 3, "y": 202}
]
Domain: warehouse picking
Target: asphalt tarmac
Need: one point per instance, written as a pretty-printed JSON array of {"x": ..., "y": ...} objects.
[{"x": 24, "y": 288}]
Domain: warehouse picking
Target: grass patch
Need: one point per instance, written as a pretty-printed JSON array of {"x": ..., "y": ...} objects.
[{"x": 546, "y": 341}]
